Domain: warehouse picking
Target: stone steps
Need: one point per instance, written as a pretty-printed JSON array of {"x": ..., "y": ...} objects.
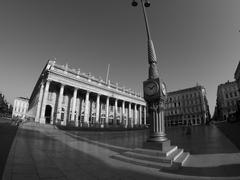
[
  {"x": 181, "y": 159},
  {"x": 141, "y": 162},
  {"x": 168, "y": 159},
  {"x": 156, "y": 152}
]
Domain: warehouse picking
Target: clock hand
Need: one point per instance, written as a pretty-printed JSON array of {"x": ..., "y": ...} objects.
[{"x": 151, "y": 87}]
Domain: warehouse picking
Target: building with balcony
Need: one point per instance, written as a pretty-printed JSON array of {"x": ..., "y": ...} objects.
[
  {"x": 187, "y": 107},
  {"x": 66, "y": 96}
]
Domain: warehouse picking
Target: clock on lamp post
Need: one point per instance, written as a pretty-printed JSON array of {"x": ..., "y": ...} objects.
[{"x": 154, "y": 90}]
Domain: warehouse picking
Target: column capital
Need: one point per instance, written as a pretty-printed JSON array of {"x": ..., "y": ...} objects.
[
  {"x": 99, "y": 94},
  {"x": 48, "y": 80},
  {"x": 62, "y": 84}
]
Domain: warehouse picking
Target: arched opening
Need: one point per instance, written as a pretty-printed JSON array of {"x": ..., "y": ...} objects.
[{"x": 48, "y": 113}]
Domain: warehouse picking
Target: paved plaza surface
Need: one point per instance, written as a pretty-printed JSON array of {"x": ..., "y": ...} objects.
[{"x": 45, "y": 152}]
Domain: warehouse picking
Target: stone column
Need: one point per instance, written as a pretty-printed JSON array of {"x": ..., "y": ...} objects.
[
  {"x": 60, "y": 99},
  {"x": 80, "y": 111},
  {"x": 140, "y": 114},
  {"x": 123, "y": 111},
  {"x": 129, "y": 114},
  {"x": 86, "y": 111},
  {"x": 135, "y": 114},
  {"x": 74, "y": 104},
  {"x": 115, "y": 112},
  {"x": 107, "y": 109},
  {"x": 39, "y": 103},
  {"x": 97, "y": 108},
  {"x": 45, "y": 96},
  {"x": 145, "y": 115},
  {"x": 77, "y": 112}
]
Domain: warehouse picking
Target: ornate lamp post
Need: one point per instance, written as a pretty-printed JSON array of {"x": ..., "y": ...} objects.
[{"x": 154, "y": 92}]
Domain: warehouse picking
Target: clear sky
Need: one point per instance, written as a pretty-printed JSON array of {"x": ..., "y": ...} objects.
[{"x": 196, "y": 41}]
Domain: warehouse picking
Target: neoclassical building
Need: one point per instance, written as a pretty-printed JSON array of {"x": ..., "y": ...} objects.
[
  {"x": 67, "y": 96},
  {"x": 20, "y": 107},
  {"x": 187, "y": 107}
]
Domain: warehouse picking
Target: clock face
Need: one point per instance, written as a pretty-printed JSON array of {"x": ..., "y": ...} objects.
[
  {"x": 151, "y": 88},
  {"x": 164, "y": 89}
]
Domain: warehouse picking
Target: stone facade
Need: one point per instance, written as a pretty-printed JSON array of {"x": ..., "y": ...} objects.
[
  {"x": 187, "y": 107},
  {"x": 20, "y": 107},
  {"x": 237, "y": 75},
  {"x": 67, "y": 96},
  {"x": 237, "y": 78},
  {"x": 226, "y": 105}
]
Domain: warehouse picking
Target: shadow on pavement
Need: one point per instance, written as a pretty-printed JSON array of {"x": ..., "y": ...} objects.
[
  {"x": 7, "y": 134},
  {"x": 202, "y": 140},
  {"x": 231, "y": 130},
  {"x": 219, "y": 171}
]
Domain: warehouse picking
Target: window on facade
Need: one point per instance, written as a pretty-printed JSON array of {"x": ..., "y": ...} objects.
[
  {"x": 231, "y": 94},
  {"x": 49, "y": 96},
  {"x": 111, "y": 108},
  {"x": 178, "y": 103},
  {"x": 224, "y": 117},
  {"x": 228, "y": 104},
  {"x": 226, "y": 95},
  {"x": 235, "y": 93},
  {"x": 103, "y": 106},
  {"x": 175, "y": 104}
]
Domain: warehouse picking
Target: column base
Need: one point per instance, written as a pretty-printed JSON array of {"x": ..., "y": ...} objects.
[
  {"x": 157, "y": 137},
  {"x": 157, "y": 145},
  {"x": 42, "y": 120},
  {"x": 37, "y": 120}
]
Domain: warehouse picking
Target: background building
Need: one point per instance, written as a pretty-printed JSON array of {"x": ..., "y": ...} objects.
[
  {"x": 67, "y": 96},
  {"x": 20, "y": 107},
  {"x": 226, "y": 105},
  {"x": 237, "y": 78},
  {"x": 187, "y": 107}
]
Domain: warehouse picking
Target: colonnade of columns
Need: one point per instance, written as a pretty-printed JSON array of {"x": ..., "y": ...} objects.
[{"x": 128, "y": 116}]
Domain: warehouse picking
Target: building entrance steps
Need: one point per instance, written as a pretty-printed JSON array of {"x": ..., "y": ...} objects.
[{"x": 173, "y": 158}]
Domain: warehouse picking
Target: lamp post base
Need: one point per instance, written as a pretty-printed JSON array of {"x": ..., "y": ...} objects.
[
  {"x": 157, "y": 137},
  {"x": 157, "y": 145}
]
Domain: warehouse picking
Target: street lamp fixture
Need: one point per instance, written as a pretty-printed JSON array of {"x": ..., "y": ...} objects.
[{"x": 154, "y": 90}]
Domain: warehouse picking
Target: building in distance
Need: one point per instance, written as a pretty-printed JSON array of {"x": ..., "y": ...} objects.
[
  {"x": 20, "y": 108},
  {"x": 237, "y": 78},
  {"x": 226, "y": 104},
  {"x": 187, "y": 107}
]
